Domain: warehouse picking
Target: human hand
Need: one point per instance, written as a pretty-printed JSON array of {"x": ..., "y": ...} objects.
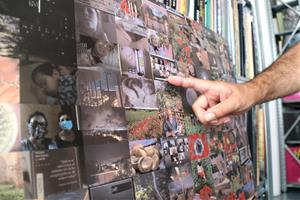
[{"x": 218, "y": 100}]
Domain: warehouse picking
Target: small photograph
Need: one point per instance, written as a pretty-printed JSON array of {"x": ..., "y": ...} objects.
[
  {"x": 185, "y": 70},
  {"x": 47, "y": 29},
  {"x": 216, "y": 68},
  {"x": 10, "y": 37},
  {"x": 75, "y": 195},
  {"x": 48, "y": 83},
  {"x": 176, "y": 18},
  {"x": 168, "y": 96},
  {"x": 243, "y": 154},
  {"x": 113, "y": 191},
  {"x": 173, "y": 123},
  {"x": 234, "y": 174},
  {"x": 144, "y": 124},
  {"x": 229, "y": 142},
  {"x": 163, "y": 68},
  {"x": 130, "y": 11},
  {"x": 175, "y": 151},
  {"x": 160, "y": 44},
  {"x": 107, "y": 157},
  {"x": 11, "y": 180},
  {"x": 9, "y": 80},
  {"x": 134, "y": 52},
  {"x": 52, "y": 172},
  {"x": 10, "y": 132},
  {"x": 203, "y": 179},
  {"x": 48, "y": 127},
  {"x": 102, "y": 117},
  {"x": 96, "y": 37},
  {"x": 189, "y": 96},
  {"x": 98, "y": 86},
  {"x": 138, "y": 93},
  {"x": 155, "y": 17},
  {"x": 219, "y": 174},
  {"x": 181, "y": 184},
  {"x": 104, "y": 5},
  {"x": 200, "y": 58},
  {"x": 198, "y": 146},
  {"x": 192, "y": 124},
  {"x": 145, "y": 156},
  {"x": 247, "y": 177},
  {"x": 240, "y": 131},
  {"x": 216, "y": 145},
  {"x": 152, "y": 186}
]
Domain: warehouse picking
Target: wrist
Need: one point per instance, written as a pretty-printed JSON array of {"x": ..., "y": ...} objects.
[{"x": 255, "y": 91}]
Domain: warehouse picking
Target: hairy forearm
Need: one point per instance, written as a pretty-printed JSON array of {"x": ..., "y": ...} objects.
[{"x": 280, "y": 79}]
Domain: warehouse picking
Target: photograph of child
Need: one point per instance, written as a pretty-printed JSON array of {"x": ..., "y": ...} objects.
[
  {"x": 155, "y": 17},
  {"x": 47, "y": 83},
  {"x": 96, "y": 37},
  {"x": 173, "y": 125},
  {"x": 134, "y": 53},
  {"x": 107, "y": 157},
  {"x": 175, "y": 151},
  {"x": 10, "y": 132},
  {"x": 102, "y": 117},
  {"x": 130, "y": 11},
  {"x": 98, "y": 86},
  {"x": 144, "y": 124},
  {"x": 163, "y": 68},
  {"x": 145, "y": 156},
  {"x": 181, "y": 184},
  {"x": 159, "y": 44},
  {"x": 138, "y": 93},
  {"x": 9, "y": 80},
  {"x": 10, "y": 36}
]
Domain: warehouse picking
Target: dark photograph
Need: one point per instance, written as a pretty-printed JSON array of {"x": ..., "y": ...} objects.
[
  {"x": 107, "y": 157},
  {"x": 152, "y": 186},
  {"x": 48, "y": 127},
  {"x": 11, "y": 180},
  {"x": 113, "y": 191},
  {"x": 175, "y": 151},
  {"x": 181, "y": 184},
  {"x": 52, "y": 172},
  {"x": 9, "y": 80},
  {"x": 168, "y": 96},
  {"x": 163, "y": 68},
  {"x": 10, "y": 132},
  {"x": 10, "y": 37},
  {"x": 155, "y": 17},
  {"x": 145, "y": 156},
  {"x": 189, "y": 96},
  {"x": 48, "y": 83},
  {"x": 138, "y": 93},
  {"x": 134, "y": 52},
  {"x": 159, "y": 44},
  {"x": 102, "y": 117},
  {"x": 144, "y": 124},
  {"x": 98, "y": 86},
  {"x": 96, "y": 37}
]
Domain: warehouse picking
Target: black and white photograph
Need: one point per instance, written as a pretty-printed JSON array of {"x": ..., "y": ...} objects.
[
  {"x": 175, "y": 151},
  {"x": 48, "y": 127},
  {"x": 98, "y": 86},
  {"x": 138, "y": 93},
  {"x": 102, "y": 117},
  {"x": 106, "y": 155},
  {"x": 113, "y": 191},
  {"x": 163, "y": 68},
  {"x": 47, "y": 83},
  {"x": 160, "y": 44}
]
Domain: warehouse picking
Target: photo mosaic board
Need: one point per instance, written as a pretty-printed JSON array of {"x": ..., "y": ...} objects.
[{"x": 86, "y": 111}]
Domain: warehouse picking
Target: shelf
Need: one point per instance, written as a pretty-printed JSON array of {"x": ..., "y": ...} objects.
[
  {"x": 261, "y": 190},
  {"x": 285, "y": 33},
  {"x": 292, "y": 142},
  {"x": 278, "y": 8},
  {"x": 293, "y": 185}
]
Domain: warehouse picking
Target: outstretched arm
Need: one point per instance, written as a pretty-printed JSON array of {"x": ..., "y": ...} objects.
[{"x": 219, "y": 100}]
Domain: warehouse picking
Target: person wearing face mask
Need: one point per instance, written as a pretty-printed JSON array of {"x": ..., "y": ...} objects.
[
  {"x": 37, "y": 130},
  {"x": 66, "y": 137}
]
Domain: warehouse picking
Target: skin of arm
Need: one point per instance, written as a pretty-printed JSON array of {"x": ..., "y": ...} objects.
[{"x": 220, "y": 100}]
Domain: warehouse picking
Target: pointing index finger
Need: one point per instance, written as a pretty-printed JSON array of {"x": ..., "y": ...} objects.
[{"x": 197, "y": 84}]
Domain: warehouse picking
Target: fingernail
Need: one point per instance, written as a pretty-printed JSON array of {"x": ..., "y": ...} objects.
[
  {"x": 210, "y": 116},
  {"x": 214, "y": 121},
  {"x": 227, "y": 120}
]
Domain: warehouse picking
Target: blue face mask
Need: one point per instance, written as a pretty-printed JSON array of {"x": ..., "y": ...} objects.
[{"x": 66, "y": 125}]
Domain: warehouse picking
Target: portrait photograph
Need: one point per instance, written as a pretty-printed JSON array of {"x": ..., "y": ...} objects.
[
  {"x": 163, "y": 68},
  {"x": 160, "y": 44}
]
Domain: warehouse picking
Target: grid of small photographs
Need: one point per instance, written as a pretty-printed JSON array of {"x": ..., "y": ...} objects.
[{"x": 86, "y": 111}]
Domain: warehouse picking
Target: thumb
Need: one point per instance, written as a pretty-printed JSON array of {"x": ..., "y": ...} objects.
[{"x": 222, "y": 109}]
